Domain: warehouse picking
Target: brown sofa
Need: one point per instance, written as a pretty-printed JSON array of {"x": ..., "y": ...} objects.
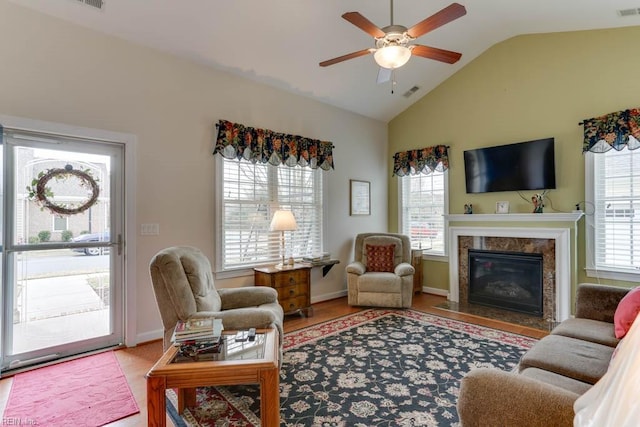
[{"x": 552, "y": 374}]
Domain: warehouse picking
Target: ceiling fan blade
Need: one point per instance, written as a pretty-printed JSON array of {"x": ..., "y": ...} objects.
[
  {"x": 434, "y": 53},
  {"x": 384, "y": 75},
  {"x": 363, "y": 23},
  {"x": 438, "y": 19},
  {"x": 345, "y": 57}
]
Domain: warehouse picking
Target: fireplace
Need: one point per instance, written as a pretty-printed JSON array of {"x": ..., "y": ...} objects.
[
  {"x": 507, "y": 280},
  {"x": 551, "y": 234}
]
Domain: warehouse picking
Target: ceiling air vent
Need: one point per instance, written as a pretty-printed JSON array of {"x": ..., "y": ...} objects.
[
  {"x": 411, "y": 91},
  {"x": 98, "y": 4},
  {"x": 629, "y": 12}
]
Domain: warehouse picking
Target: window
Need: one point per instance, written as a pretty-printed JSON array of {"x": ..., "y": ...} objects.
[
  {"x": 60, "y": 223},
  {"x": 613, "y": 231},
  {"x": 249, "y": 196},
  {"x": 423, "y": 204}
]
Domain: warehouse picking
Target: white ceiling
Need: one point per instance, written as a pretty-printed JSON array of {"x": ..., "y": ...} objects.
[{"x": 281, "y": 42}]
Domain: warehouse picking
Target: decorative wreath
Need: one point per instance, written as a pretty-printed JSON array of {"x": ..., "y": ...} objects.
[{"x": 42, "y": 194}]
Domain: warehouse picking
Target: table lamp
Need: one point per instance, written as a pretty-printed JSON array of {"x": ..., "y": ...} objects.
[{"x": 283, "y": 221}]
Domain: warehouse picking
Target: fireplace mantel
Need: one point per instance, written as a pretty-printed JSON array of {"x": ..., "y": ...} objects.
[
  {"x": 557, "y": 226},
  {"x": 516, "y": 217}
]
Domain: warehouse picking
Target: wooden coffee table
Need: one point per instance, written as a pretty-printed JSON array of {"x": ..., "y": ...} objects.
[{"x": 249, "y": 362}]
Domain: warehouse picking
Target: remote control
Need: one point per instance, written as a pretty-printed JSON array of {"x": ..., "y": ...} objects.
[{"x": 251, "y": 336}]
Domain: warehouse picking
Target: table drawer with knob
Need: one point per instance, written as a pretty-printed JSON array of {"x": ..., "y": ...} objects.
[
  {"x": 292, "y": 285},
  {"x": 294, "y": 291}
]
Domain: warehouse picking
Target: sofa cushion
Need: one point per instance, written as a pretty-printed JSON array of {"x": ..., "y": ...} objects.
[
  {"x": 598, "y": 302},
  {"x": 588, "y": 330},
  {"x": 491, "y": 397},
  {"x": 557, "y": 380},
  {"x": 626, "y": 312},
  {"x": 581, "y": 360},
  {"x": 613, "y": 401},
  {"x": 380, "y": 258}
]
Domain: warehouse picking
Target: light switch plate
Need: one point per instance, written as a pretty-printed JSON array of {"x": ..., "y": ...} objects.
[{"x": 149, "y": 229}]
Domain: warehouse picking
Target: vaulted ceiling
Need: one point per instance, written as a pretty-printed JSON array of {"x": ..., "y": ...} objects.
[{"x": 281, "y": 42}]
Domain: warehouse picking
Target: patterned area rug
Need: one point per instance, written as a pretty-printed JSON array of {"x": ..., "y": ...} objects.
[{"x": 373, "y": 368}]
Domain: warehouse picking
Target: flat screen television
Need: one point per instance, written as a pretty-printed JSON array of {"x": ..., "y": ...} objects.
[{"x": 528, "y": 165}]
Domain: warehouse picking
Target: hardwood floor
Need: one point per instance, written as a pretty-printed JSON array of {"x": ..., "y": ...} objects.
[{"x": 138, "y": 360}]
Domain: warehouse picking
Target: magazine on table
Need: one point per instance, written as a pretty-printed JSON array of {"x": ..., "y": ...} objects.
[{"x": 198, "y": 329}]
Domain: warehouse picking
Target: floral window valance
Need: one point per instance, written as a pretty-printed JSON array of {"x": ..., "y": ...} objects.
[
  {"x": 614, "y": 130},
  {"x": 236, "y": 141},
  {"x": 423, "y": 160}
]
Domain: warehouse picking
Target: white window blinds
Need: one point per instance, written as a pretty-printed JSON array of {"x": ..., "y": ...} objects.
[
  {"x": 423, "y": 206},
  {"x": 251, "y": 193},
  {"x": 616, "y": 192}
]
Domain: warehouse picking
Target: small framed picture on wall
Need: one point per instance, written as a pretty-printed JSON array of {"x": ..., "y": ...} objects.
[{"x": 359, "y": 197}]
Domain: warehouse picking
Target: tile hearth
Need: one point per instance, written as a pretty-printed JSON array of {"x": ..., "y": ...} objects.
[{"x": 499, "y": 314}]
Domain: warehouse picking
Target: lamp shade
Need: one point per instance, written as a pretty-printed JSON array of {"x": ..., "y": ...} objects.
[
  {"x": 392, "y": 56},
  {"x": 283, "y": 221}
]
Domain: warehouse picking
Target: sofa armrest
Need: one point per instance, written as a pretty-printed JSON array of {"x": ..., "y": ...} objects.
[
  {"x": 404, "y": 269},
  {"x": 598, "y": 302},
  {"x": 491, "y": 397},
  {"x": 356, "y": 267},
  {"x": 247, "y": 297}
]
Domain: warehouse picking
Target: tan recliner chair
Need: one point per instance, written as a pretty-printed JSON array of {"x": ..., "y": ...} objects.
[
  {"x": 393, "y": 288},
  {"x": 183, "y": 286}
]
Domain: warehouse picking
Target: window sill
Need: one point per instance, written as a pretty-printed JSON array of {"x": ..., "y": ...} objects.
[
  {"x": 626, "y": 275},
  {"x": 230, "y": 274}
]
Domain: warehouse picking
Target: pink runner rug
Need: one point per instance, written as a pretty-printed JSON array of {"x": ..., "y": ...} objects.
[{"x": 91, "y": 391}]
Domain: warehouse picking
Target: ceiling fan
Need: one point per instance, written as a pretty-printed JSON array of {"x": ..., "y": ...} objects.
[{"x": 393, "y": 43}]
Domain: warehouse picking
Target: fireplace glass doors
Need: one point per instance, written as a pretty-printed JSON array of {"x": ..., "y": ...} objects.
[{"x": 507, "y": 280}]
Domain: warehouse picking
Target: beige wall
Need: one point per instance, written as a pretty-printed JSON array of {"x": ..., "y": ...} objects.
[
  {"x": 524, "y": 88},
  {"x": 54, "y": 71}
]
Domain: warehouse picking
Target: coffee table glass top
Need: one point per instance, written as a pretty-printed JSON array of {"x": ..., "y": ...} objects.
[{"x": 229, "y": 348}]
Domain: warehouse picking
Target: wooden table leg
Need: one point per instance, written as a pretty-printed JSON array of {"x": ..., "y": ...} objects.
[
  {"x": 156, "y": 402},
  {"x": 186, "y": 399},
  {"x": 270, "y": 397}
]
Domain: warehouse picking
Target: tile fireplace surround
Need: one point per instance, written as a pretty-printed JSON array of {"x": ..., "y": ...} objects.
[{"x": 549, "y": 234}]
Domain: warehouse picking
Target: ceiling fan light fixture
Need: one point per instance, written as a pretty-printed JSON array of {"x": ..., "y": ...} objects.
[{"x": 392, "y": 57}]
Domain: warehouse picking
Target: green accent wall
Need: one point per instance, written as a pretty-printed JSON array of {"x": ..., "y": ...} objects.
[{"x": 524, "y": 88}]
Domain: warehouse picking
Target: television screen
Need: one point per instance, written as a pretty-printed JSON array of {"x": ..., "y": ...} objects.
[{"x": 526, "y": 165}]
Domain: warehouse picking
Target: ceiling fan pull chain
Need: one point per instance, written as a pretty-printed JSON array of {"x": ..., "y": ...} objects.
[{"x": 393, "y": 80}]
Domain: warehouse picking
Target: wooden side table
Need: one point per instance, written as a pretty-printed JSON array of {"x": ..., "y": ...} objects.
[
  {"x": 293, "y": 286},
  {"x": 416, "y": 262}
]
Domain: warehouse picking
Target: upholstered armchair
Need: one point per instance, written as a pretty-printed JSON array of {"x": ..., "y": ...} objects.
[
  {"x": 183, "y": 286},
  {"x": 381, "y": 274}
]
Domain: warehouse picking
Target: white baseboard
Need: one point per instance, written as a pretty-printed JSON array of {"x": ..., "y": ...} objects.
[
  {"x": 435, "y": 291},
  {"x": 158, "y": 334},
  {"x": 326, "y": 297}
]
